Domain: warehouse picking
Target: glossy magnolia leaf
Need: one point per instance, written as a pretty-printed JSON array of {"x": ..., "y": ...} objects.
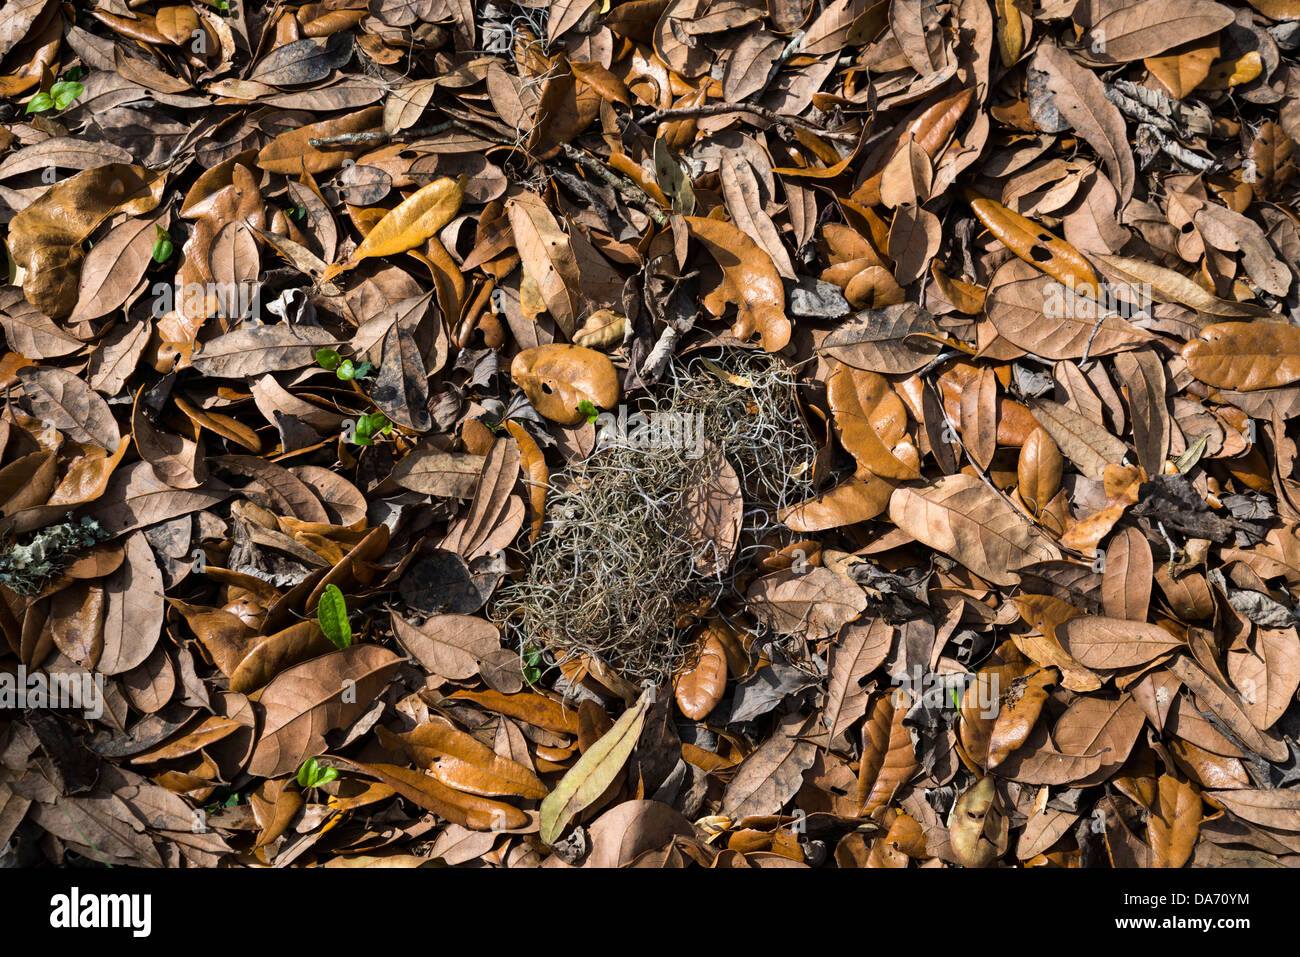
[
  {"x": 1023, "y": 704},
  {"x": 461, "y": 757},
  {"x": 860, "y": 498},
  {"x": 1037, "y": 246},
  {"x": 1175, "y": 823},
  {"x": 700, "y": 687},
  {"x": 1245, "y": 355},
  {"x": 536, "y": 474},
  {"x": 410, "y": 223},
  {"x": 872, "y": 420},
  {"x": 887, "y": 756},
  {"x": 332, "y": 615}
]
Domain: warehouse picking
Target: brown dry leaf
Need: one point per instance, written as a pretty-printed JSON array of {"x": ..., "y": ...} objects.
[
  {"x": 1038, "y": 471},
  {"x": 1134, "y": 30},
  {"x": 1085, "y": 443},
  {"x": 461, "y": 761},
  {"x": 536, "y": 475},
  {"x": 872, "y": 421},
  {"x": 558, "y": 378},
  {"x": 1037, "y": 246},
  {"x": 1245, "y": 356},
  {"x": 888, "y": 760},
  {"x": 1174, "y": 826},
  {"x": 1127, "y": 576},
  {"x": 548, "y": 256},
  {"x": 770, "y": 776},
  {"x": 815, "y": 603},
  {"x": 426, "y": 791},
  {"x": 699, "y": 688},
  {"x": 861, "y": 648},
  {"x": 1080, "y": 97},
  {"x": 1096, "y": 641},
  {"x": 308, "y": 700},
  {"x": 896, "y": 339},
  {"x": 1021, "y": 705},
  {"x": 45, "y": 238},
  {"x": 292, "y": 154},
  {"x": 1227, "y": 707},
  {"x": 1033, "y": 312},
  {"x": 859, "y": 498},
  {"x": 964, "y": 518},
  {"x": 453, "y": 646},
  {"x": 749, "y": 281}
]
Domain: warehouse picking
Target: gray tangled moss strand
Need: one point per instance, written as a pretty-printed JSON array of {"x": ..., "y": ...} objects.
[{"x": 612, "y": 569}]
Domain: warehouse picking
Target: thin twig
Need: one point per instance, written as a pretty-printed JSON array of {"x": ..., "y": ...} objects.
[
  {"x": 381, "y": 136},
  {"x": 625, "y": 186},
  {"x": 762, "y": 112},
  {"x": 796, "y": 41}
]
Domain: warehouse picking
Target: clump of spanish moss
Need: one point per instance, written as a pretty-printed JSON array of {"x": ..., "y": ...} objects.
[
  {"x": 26, "y": 569},
  {"x": 616, "y": 563}
]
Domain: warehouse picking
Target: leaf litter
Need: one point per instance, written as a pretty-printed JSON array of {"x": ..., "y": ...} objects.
[{"x": 672, "y": 433}]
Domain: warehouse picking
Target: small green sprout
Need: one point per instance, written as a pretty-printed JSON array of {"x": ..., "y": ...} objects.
[
  {"x": 532, "y": 665},
  {"x": 368, "y": 426},
  {"x": 345, "y": 369},
  {"x": 589, "y": 410},
  {"x": 313, "y": 774},
  {"x": 162, "y": 246},
  {"x": 61, "y": 96}
]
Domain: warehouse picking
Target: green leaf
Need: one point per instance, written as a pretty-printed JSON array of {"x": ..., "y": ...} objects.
[
  {"x": 65, "y": 92},
  {"x": 346, "y": 370},
  {"x": 327, "y": 359},
  {"x": 312, "y": 775},
  {"x": 532, "y": 665},
  {"x": 332, "y": 613},
  {"x": 593, "y": 773},
  {"x": 40, "y": 103},
  {"x": 162, "y": 246},
  {"x": 589, "y": 410}
]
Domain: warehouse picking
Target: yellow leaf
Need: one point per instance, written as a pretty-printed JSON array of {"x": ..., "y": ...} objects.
[
  {"x": 413, "y": 221},
  {"x": 1035, "y": 245}
]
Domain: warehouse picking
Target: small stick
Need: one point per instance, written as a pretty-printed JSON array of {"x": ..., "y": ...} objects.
[
  {"x": 381, "y": 136},
  {"x": 762, "y": 112},
  {"x": 626, "y": 187}
]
